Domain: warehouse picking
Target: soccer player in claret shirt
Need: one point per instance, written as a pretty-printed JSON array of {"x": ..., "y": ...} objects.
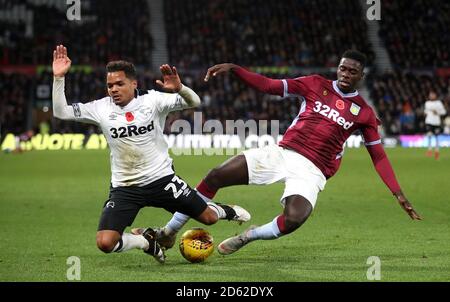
[
  {"x": 142, "y": 173},
  {"x": 311, "y": 149}
]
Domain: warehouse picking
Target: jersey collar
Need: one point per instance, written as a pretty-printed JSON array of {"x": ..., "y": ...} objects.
[
  {"x": 344, "y": 95},
  {"x": 130, "y": 106}
]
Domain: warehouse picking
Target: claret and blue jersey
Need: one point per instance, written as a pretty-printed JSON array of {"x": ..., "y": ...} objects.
[{"x": 327, "y": 117}]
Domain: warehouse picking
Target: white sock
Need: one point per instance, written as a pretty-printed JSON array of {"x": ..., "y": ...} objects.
[
  {"x": 175, "y": 224},
  {"x": 203, "y": 197},
  {"x": 266, "y": 232},
  {"x": 178, "y": 219},
  {"x": 130, "y": 241},
  {"x": 213, "y": 206},
  {"x": 220, "y": 212}
]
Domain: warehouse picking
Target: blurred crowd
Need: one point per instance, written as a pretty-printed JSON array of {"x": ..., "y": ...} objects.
[
  {"x": 29, "y": 31},
  {"x": 16, "y": 90},
  {"x": 263, "y": 33},
  {"x": 399, "y": 99},
  {"x": 108, "y": 30},
  {"x": 201, "y": 33},
  {"x": 226, "y": 98},
  {"x": 222, "y": 99},
  {"x": 416, "y": 32}
]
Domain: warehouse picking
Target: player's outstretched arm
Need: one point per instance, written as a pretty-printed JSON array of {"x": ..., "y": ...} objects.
[
  {"x": 384, "y": 169},
  {"x": 218, "y": 69},
  {"x": 254, "y": 80},
  {"x": 172, "y": 83},
  {"x": 61, "y": 65},
  {"x": 406, "y": 205}
]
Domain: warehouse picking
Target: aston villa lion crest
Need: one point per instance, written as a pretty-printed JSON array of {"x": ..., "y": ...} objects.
[{"x": 354, "y": 109}]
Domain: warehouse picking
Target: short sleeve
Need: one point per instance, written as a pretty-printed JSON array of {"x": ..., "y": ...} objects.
[{"x": 370, "y": 130}]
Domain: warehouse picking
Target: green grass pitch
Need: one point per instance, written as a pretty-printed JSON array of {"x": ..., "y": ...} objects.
[{"x": 50, "y": 203}]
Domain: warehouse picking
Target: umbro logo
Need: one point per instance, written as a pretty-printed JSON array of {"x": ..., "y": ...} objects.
[
  {"x": 113, "y": 116},
  {"x": 110, "y": 204},
  {"x": 186, "y": 192}
]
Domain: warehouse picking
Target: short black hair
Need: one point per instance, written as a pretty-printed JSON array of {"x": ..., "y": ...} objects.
[
  {"x": 355, "y": 55},
  {"x": 127, "y": 67}
]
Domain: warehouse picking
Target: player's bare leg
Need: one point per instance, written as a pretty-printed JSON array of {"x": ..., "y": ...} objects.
[
  {"x": 296, "y": 212},
  {"x": 166, "y": 236},
  {"x": 216, "y": 211},
  {"x": 107, "y": 240},
  {"x": 112, "y": 241},
  {"x": 231, "y": 172}
]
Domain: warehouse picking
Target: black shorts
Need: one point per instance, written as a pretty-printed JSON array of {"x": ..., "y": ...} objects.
[
  {"x": 170, "y": 193},
  {"x": 436, "y": 130}
]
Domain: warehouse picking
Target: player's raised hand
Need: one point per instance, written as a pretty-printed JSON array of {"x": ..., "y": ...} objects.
[
  {"x": 61, "y": 62},
  {"x": 218, "y": 69},
  {"x": 406, "y": 205},
  {"x": 171, "y": 81}
]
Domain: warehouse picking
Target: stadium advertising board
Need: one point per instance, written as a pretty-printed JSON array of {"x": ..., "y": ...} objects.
[{"x": 77, "y": 141}]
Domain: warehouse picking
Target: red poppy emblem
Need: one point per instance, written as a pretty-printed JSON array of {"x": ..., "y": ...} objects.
[
  {"x": 129, "y": 116},
  {"x": 340, "y": 104}
]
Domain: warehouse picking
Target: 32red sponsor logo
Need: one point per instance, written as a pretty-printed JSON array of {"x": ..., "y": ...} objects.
[
  {"x": 131, "y": 130},
  {"x": 332, "y": 114}
]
